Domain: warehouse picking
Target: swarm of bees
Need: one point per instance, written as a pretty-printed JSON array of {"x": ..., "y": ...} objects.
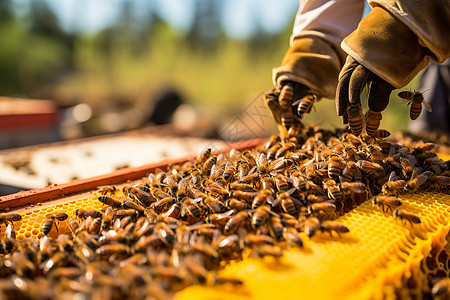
[{"x": 170, "y": 230}]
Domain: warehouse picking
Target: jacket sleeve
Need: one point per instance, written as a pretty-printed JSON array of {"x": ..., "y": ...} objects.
[
  {"x": 398, "y": 38},
  {"x": 315, "y": 57}
]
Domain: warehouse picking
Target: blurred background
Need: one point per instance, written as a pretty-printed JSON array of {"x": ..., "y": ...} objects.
[{"x": 114, "y": 65}]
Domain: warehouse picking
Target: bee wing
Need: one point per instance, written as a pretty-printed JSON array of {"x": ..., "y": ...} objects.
[
  {"x": 297, "y": 102},
  {"x": 427, "y": 106},
  {"x": 392, "y": 176}
]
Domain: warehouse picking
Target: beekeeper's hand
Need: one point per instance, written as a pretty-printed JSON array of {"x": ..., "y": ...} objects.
[
  {"x": 384, "y": 53},
  {"x": 309, "y": 69}
]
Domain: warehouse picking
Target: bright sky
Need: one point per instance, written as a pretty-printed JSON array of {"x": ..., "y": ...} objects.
[{"x": 239, "y": 17}]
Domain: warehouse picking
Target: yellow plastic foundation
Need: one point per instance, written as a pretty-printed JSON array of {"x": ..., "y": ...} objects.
[{"x": 381, "y": 258}]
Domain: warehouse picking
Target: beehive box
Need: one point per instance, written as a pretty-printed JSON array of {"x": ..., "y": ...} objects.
[{"x": 380, "y": 258}]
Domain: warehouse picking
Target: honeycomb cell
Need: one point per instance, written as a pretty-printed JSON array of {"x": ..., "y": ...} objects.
[{"x": 35, "y": 232}]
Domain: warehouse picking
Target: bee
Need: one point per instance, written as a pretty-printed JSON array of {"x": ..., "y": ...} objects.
[
  {"x": 191, "y": 210},
  {"x": 108, "y": 218},
  {"x": 292, "y": 238},
  {"x": 242, "y": 186},
  {"x": 271, "y": 100},
  {"x": 229, "y": 171},
  {"x": 282, "y": 182},
  {"x": 235, "y": 222},
  {"x": 200, "y": 246},
  {"x": 280, "y": 163},
  {"x": 165, "y": 233},
  {"x": 393, "y": 186},
  {"x": 215, "y": 205},
  {"x": 441, "y": 288},
  {"x": 311, "y": 225},
  {"x": 260, "y": 216},
  {"x": 284, "y": 149},
  {"x": 264, "y": 196},
  {"x": 287, "y": 119},
  {"x": 65, "y": 244},
  {"x": 405, "y": 216},
  {"x": 271, "y": 152},
  {"x": 330, "y": 226},
  {"x": 417, "y": 181},
  {"x": 286, "y": 95},
  {"x": 143, "y": 197},
  {"x": 253, "y": 240},
  {"x": 268, "y": 183},
  {"x": 332, "y": 189},
  {"x": 305, "y": 104},
  {"x": 355, "y": 119},
  {"x": 288, "y": 204},
  {"x": 50, "y": 220},
  {"x": 108, "y": 250},
  {"x": 334, "y": 166},
  {"x": 209, "y": 163},
  {"x": 108, "y": 200},
  {"x": 203, "y": 155},
  {"x": 9, "y": 218},
  {"x": 84, "y": 213},
  {"x": 381, "y": 134},
  {"x": 106, "y": 189},
  {"x": 323, "y": 208},
  {"x": 373, "y": 119},
  {"x": 355, "y": 187},
  {"x": 247, "y": 196},
  {"x": 425, "y": 147},
  {"x": 227, "y": 280},
  {"x": 262, "y": 163},
  {"x": 221, "y": 218},
  {"x": 268, "y": 250},
  {"x": 415, "y": 99},
  {"x": 276, "y": 227},
  {"x": 388, "y": 202},
  {"x": 272, "y": 141},
  {"x": 369, "y": 167}
]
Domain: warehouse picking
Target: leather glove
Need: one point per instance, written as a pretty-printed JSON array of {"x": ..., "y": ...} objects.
[
  {"x": 308, "y": 71},
  {"x": 382, "y": 51}
]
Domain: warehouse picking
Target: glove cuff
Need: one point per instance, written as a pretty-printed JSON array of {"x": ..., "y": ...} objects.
[
  {"x": 312, "y": 62},
  {"x": 387, "y": 47}
]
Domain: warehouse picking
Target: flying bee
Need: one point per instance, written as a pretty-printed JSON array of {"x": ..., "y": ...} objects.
[
  {"x": 355, "y": 119},
  {"x": 108, "y": 200},
  {"x": 405, "y": 216},
  {"x": 305, "y": 104},
  {"x": 50, "y": 220},
  {"x": 373, "y": 119},
  {"x": 415, "y": 99},
  {"x": 9, "y": 218},
  {"x": 441, "y": 288},
  {"x": 386, "y": 202},
  {"x": 235, "y": 222},
  {"x": 393, "y": 186},
  {"x": 330, "y": 226},
  {"x": 334, "y": 166},
  {"x": 286, "y": 95},
  {"x": 332, "y": 189}
]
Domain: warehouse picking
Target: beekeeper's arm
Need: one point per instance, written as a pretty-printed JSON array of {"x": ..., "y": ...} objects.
[{"x": 391, "y": 45}]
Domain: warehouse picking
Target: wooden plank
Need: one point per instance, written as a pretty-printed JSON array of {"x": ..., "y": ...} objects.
[{"x": 119, "y": 176}]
